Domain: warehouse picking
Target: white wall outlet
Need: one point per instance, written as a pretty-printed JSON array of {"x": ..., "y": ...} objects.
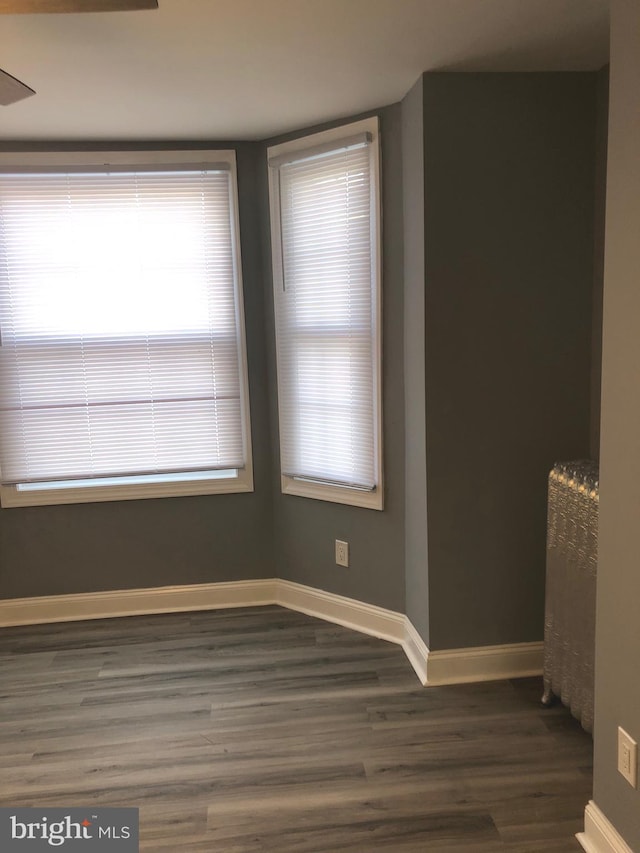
[
  {"x": 628, "y": 757},
  {"x": 342, "y": 553}
]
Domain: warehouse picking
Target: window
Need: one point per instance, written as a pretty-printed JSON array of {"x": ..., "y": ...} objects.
[
  {"x": 122, "y": 367},
  {"x": 325, "y": 221}
]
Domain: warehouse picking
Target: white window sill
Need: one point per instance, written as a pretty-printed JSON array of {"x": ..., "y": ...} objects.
[
  {"x": 333, "y": 494},
  {"x": 11, "y": 496}
]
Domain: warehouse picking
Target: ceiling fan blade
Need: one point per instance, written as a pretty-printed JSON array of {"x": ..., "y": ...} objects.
[
  {"x": 32, "y": 7},
  {"x": 12, "y": 90}
]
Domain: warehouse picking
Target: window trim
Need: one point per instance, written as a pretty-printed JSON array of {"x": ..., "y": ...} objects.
[
  {"x": 291, "y": 485},
  {"x": 11, "y": 496}
]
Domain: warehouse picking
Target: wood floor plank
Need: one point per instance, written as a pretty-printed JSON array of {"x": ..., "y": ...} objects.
[{"x": 266, "y": 731}]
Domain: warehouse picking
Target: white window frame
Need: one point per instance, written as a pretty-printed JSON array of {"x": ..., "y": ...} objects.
[
  {"x": 310, "y": 488},
  {"x": 237, "y": 480}
]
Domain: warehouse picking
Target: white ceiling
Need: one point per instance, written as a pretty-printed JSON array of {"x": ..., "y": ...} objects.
[{"x": 248, "y": 69}]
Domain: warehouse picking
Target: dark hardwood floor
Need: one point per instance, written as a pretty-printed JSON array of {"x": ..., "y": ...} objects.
[{"x": 242, "y": 731}]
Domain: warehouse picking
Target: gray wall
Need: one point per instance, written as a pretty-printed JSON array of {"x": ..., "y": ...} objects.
[
  {"x": 618, "y": 595},
  {"x": 305, "y": 529},
  {"x": 602, "y": 128},
  {"x": 509, "y": 183},
  {"x": 416, "y": 551},
  {"x": 129, "y": 544}
]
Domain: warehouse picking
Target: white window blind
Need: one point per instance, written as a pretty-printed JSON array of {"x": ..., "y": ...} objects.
[
  {"x": 120, "y": 324},
  {"x": 326, "y": 313}
]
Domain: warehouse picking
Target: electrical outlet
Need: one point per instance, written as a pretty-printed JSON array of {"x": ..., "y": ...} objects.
[
  {"x": 342, "y": 553},
  {"x": 628, "y": 757}
]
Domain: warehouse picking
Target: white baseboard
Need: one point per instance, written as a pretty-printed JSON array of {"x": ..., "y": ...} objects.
[
  {"x": 416, "y": 650},
  {"x": 600, "y": 835},
  {"x": 484, "y": 663},
  {"x": 366, "y": 618},
  {"x": 135, "y": 602},
  {"x": 453, "y": 666}
]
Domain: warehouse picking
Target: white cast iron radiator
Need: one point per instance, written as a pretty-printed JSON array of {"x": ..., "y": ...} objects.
[{"x": 570, "y": 604}]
